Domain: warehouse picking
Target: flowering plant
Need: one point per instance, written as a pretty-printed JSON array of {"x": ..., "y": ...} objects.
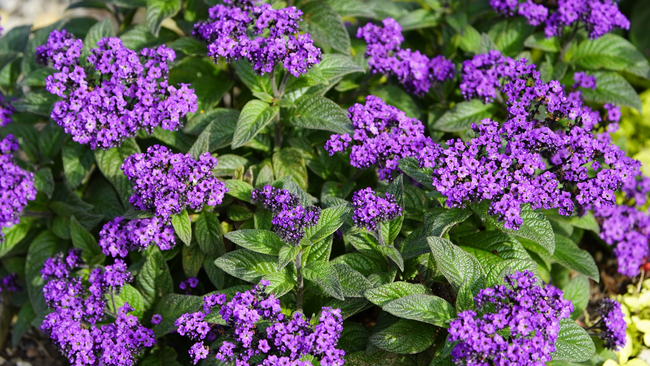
[{"x": 323, "y": 182}]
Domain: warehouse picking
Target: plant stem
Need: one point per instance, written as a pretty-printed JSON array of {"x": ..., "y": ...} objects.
[
  {"x": 379, "y": 236},
  {"x": 35, "y": 214},
  {"x": 565, "y": 48},
  {"x": 283, "y": 85},
  {"x": 114, "y": 307},
  {"x": 277, "y": 94},
  {"x": 278, "y": 132},
  {"x": 300, "y": 291}
]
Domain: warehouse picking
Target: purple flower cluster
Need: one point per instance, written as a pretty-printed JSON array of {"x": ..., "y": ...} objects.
[
  {"x": 191, "y": 283},
  {"x": 482, "y": 75},
  {"x": 627, "y": 227},
  {"x": 119, "y": 93},
  {"x": 10, "y": 284},
  {"x": 413, "y": 69},
  {"x": 371, "y": 209},
  {"x": 383, "y": 135},
  {"x": 584, "y": 80},
  {"x": 120, "y": 236},
  {"x": 290, "y": 218},
  {"x": 16, "y": 185},
  {"x": 612, "y": 324},
  {"x": 515, "y": 325},
  {"x": 261, "y": 34},
  {"x": 6, "y": 110},
  {"x": 532, "y": 158},
  {"x": 78, "y": 306},
  {"x": 597, "y": 16},
  {"x": 282, "y": 342},
  {"x": 165, "y": 183}
]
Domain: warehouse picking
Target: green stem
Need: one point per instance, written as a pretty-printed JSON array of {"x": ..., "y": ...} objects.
[{"x": 565, "y": 48}]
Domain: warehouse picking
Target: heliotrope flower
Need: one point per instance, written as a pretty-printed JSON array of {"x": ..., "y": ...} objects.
[
  {"x": 16, "y": 185},
  {"x": 117, "y": 94},
  {"x": 165, "y": 183},
  {"x": 532, "y": 158},
  {"x": 597, "y": 16},
  {"x": 371, "y": 209},
  {"x": 584, "y": 80},
  {"x": 282, "y": 341},
  {"x": 290, "y": 218},
  {"x": 120, "y": 236},
  {"x": 612, "y": 324},
  {"x": 260, "y": 34},
  {"x": 516, "y": 324},
  {"x": 6, "y": 110},
  {"x": 383, "y": 135},
  {"x": 416, "y": 71},
  {"x": 79, "y": 305},
  {"x": 9, "y": 283}
]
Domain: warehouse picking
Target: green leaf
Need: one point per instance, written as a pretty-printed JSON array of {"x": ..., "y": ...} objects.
[
  {"x": 183, "y": 226},
  {"x": 260, "y": 241},
  {"x": 423, "y": 308},
  {"x": 573, "y": 343},
  {"x": 91, "y": 253},
  {"x": 44, "y": 182},
  {"x": 138, "y": 36},
  {"x": 418, "y": 19},
  {"x": 405, "y": 337},
  {"x": 324, "y": 275},
  {"x": 510, "y": 35},
  {"x": 253, "y": 118},
  {"x": 103, "y": 29},
  {"x": 247, "y": 265},
  {"x": 287, "y": 254},
  {"x": 330, "y": 220},
  {"x": 611, "y": 87},
  {"x": 577, "y": 291},
  {"x": 462, "y": 115},
  {"x": 465, "y": 298},
  {"x": 334, "y": 66},
  {"x": 446, "y": 220},
  {"x": 569, "y": 255},
  {"x": 536, "y": 226},
  {"x": 398, "y": 98},
  {"x": 154, "y": 280},
  {"x": 252, "y": 80},
  {"x": 189, "y": 46},
  {"x": 207, "y": 230},
  {"x": 239, "y": 189},
  {"x": 50, "y": 140},
  {"x": 193, "y": 259},
  {"x": 110, "y": 162},
  {"x": 25, "y": 318},
  {"x": 128, "y": 294},
  {"x": 611, "y": 52},
  {"x": 353, "y": 283},
  {"x": 290, "y": 162},
  {"x": 215, "y": 274},
  {"x": 37, "y": 77},
  {"x": 14, "y": 234},
  {"x": 320, "y": 113},
  {"x": 325, "y": 26},
  {"x": 392, "y": 253},
  {"x": 77, "y": 162},
  {"x": 384, "y": 294},
  {"x": 15, "y": 39},
  {"x": 541, "y": 42},
  {"x": 457, "y": 265},
  {"x": 161, "y": 357},
  {"x": 171, "y": 307},
  {"x": 411, "y": 167},
  {"x": 43, "y": 247},
  {"x": 38, "y": 102},
  {"x": 390, "y": 229},
  {"x": 587, "y": 221},
  {"x": 219, "y": 124},
  {"x": 159, "y": 10}
]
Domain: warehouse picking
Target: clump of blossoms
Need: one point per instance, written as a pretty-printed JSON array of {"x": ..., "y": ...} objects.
[
  {"x": 516, "y": 324},
  {"x": 282, "y": 342},
  {"x": 165, "y": 183},
  {"x": 546, "y": 154},
  {"x": 627, "y": 227},
  {"x": 584, "y": 80},
  {"x": 597, "y": 16},
  {"x": 611, "y": 324},
  {"x": 414, "y": 70},
  {"x": 482, "y": 75},
  {"x": 117, "y": 94},
  {"x": 290, "y": 218},
  {"x": 260, "y": 34},
  {"x": 383, "y": 136},
  {"x": 120, "y": 236},
  {"x": 16, "y": 185},
  {"x": 9, "y": 283},
  {"x": 370, "y": 209},
  {"x": 79, "y": 304},
  {"x": 6, "y": 110}
]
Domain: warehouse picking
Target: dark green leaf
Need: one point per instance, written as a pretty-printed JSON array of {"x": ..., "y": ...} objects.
[
  {"x": 418, "y": 19},
  {"x": 568, "y": 254},
  {"x": 447, "y": 219},
  {"x": 15, "y": 39},
  {"x": 334, "y": 66},
  {"x": 159, "y": 10},
  {"x": 42, "y": 248},
  {"x": 183, "y": 226},
  {"x": 110, "y": 162},
  {"x": 239, "y": 189},
  {"x": 253, "y": 118},
  {"x": 324, "y": 275},
  {"x": 541, "y": 42},
  {"x": 423, "y": 308},
  {"x": 260, "y": 241},
  {"x": 91, "y": 253},
  {"x": 207, "y": 230},
  {"x": 14, "y": 234},
  {"x": 171, "y": 307},
  {"x": 290, "y": 162},
  {"x": 25, "y": 317},
  {"x": 325, "y": 26},
  {"x": 189, "y": 46},
  {"x": 353, "y": 283},
  {"x": 103, "y": 29},
  {"x": 391, "y": 291},
  {"x": 154, "y": 280},
  {"x": 43, "y": 181},
  {"x": 38, "y": 102},
  {"x": 287, "y": 254},
  {"x": 611, "y": 87},
  {"x": 461, "y": 116},
  {"x": 247, "y": 265},
  {"x": 456, "y": 264},
  {"x": 319, "y": 113},
  {"x": 139, "y": 36},
  {"x": 193, "y": 259},
  {"x": 577, "y": 291},
  {"x": 330, "y": 220},
  {"x": 77, "y": 162},
  {"x": 252, "y": 80},
  {"x": 573, "y": 343},
  {"x": 128, "y": 294},
  {"x": 510, "y": 35},
  {"x": 405, "y": 337},
  {"x": 611, "y": 52}
]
